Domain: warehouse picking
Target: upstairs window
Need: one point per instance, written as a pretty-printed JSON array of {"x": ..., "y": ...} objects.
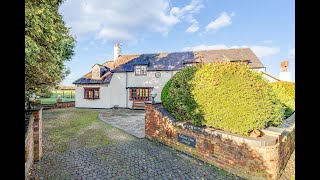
[
  {"x": 95, "y": 73},
  {"x": 140, "y": 70},
  {"x": 91, "y": 93}
]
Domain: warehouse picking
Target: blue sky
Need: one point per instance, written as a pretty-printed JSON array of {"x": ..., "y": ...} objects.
[{"x": 144, "y": 26}]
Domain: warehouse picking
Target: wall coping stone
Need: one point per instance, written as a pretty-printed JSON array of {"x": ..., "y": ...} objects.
[
  {"x": 273, "y": 131},
  {"x": 35, "y": 109},
  {"x": 266, "y": 140},
  {"x": 67, "y": 102},
  {"x": 289, "y": 123}
]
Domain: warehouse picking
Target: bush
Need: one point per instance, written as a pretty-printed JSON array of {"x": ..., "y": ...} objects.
[
  {"x": 177, "y": 98},
  {"x": 227, "y": 96},
  {"x": 44, "y": 93},
  {"x": 165, "y": 98},
  {"x": 285, "y": 92}
]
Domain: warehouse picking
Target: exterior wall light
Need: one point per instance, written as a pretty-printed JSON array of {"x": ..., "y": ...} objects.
[{"x": 153, "y": 95}]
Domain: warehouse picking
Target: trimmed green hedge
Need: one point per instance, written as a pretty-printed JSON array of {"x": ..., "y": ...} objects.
[
  {"x": 177, "y": 98},
  {"x": 285, "y": 92},
  {"x": 227, "y": 96}
]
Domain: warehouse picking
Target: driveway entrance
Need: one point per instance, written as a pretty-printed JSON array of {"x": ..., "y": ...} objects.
[
  {"x": 131, "y": 121},
  {"x": 77, "y": 145}
]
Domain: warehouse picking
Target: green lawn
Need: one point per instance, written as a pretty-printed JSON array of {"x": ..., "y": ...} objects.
[
  {"x": 65, "y": 95},
  {"x": 65, "y": 129},
  {"x": 53, "y": 100}
]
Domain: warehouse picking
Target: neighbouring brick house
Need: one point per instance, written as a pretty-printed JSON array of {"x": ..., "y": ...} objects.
[{"x": 128, "y": 79}]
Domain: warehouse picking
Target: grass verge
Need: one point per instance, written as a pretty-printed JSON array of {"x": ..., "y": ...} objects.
[{"x": 66, "y": 129}]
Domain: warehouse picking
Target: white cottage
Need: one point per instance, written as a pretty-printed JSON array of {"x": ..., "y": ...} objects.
[{"x": 128, "y": 80}]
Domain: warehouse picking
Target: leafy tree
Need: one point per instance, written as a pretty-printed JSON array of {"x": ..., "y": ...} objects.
[{"x": 48, "y": 44}]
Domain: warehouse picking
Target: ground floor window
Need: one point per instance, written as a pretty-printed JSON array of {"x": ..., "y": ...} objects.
[
  {"x": 140, "y": 94},
  {"x": 91, "y": 93}
]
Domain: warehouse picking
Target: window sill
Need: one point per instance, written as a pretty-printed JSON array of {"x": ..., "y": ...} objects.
[{"x": 91, "y": 98}]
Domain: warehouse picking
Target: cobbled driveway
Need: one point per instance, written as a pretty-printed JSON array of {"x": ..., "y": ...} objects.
[
  {"x": 135, "y": 159},
  {"x": 128, "y": 158}
]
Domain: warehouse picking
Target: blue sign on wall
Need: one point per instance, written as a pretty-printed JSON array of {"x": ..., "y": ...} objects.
[{"x": 190, "y": 141}]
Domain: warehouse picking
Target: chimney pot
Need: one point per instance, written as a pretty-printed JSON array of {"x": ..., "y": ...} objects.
[{"x": 285, "y": 75}]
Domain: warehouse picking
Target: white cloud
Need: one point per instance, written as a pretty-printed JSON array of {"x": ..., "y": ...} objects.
[
  {"x": 263, "y": 51},
  {"x": 260, "y": 51},
  {"x": 186, "y": 13},
  {"x": 122, "y": 20},
  {"x": 194, "y": 26},
  {"x": 222, "y": 21}
]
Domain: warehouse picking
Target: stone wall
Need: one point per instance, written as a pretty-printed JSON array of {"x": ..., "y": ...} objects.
[
  {"x": 251, "y": 158},
  {"x": 33, "y": 139}
]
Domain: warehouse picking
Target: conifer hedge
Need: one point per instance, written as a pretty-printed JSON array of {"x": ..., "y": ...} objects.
[
  {"x": 285, "y": 91},
  {"x": 227, "y": 96}
]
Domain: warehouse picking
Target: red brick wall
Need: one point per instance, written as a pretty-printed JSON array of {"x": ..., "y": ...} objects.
[
  {"x": 56, "y": 105},
  {"x": 243, "y": 159},
  {"x": 33, "y": 141},
  {"x": 29, "y": 147},
  {"x": 37, "y": 128},
  {"x": 65, "y": 104}
]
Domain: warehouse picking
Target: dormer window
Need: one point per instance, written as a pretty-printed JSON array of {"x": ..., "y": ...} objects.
[
  {"x": 96, "y": 72},
  {"x": 140, "y": 70}
]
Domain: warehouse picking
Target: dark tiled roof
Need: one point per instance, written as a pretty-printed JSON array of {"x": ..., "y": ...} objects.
[
  {"x": 103, "y": 70},
  {"x": 158, "y": 61},
  {"x": 108, "y": 78},
  {"x": 170, "y": 61},
  {"x": 88, "y": 81}
]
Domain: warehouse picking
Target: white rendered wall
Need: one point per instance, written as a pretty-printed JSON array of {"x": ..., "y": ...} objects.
[
  {"x": 120, "y": 95},
  {"x": 118, "y": 90},
  {"x": 103, "y": 102},
  {"x": 285, "y": 76}
]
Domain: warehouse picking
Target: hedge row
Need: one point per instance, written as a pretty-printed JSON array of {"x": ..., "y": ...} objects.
[{"x": 228, "y": 96}]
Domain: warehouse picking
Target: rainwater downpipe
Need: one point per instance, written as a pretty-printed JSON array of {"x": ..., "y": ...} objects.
[{"x": 127, "y": 89}]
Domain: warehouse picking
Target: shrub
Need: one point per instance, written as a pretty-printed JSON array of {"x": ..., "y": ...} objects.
[
  {"x": 165, "y": 98},
  {"x": 177, "y": 98},
  {"x": 45, "y": 93},
  {"x": 227, "y": 96},
  {"x": 285, "y": 92}
]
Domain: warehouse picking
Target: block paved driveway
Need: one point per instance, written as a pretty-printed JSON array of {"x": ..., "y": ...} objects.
[{"x": 130, "y": 158}]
